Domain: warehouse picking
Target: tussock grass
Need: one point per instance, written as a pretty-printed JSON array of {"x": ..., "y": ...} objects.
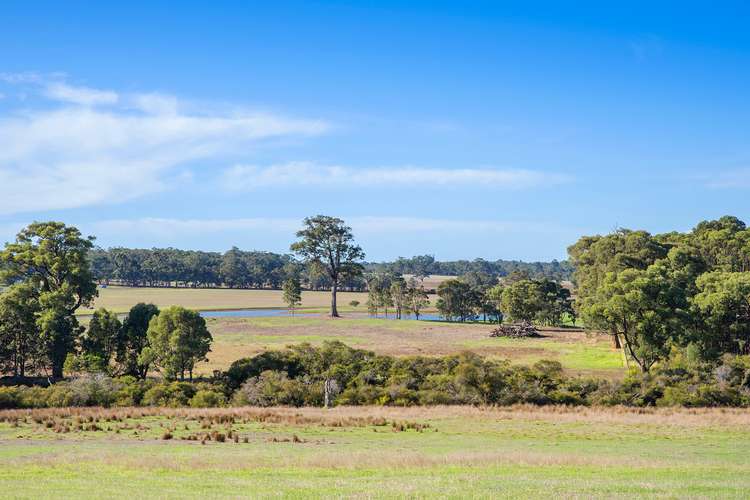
[{"x": 376, "y": 452}]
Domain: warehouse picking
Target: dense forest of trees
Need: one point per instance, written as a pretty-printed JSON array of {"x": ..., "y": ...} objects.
[{"x": 236, "y": 268}]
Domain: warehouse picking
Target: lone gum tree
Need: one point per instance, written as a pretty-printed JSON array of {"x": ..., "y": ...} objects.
[{"x": 327, "y": 243}]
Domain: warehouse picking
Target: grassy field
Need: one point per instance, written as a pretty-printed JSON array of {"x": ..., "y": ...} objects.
[
  {"x": 120, "y": 299},
  {"x": 454, "y": 452},
  {"x": 240, "y": 337}
]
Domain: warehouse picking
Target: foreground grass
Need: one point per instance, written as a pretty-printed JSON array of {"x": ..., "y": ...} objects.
[
  {"x": 376, "y": 452},
  {"x": 241, "y": 337}
]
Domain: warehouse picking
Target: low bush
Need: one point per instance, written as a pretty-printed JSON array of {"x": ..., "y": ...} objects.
[
  {"x": 207, "y": 398},
  {"x": 9, "y": 397},
  {"x": 297, "y": 376},
  {"x": 172, "y": 394}
]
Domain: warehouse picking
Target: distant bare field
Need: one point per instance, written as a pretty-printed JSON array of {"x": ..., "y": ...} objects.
[
  {"x": 433, "y": 281},
  {"x": 120, "y": 299}
]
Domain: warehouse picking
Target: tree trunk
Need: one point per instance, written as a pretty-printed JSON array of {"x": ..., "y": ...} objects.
[
  {"x": 57, "y": 370},
  {"x": 616, "y": 341},
  {"x": 334, "y": 289}
]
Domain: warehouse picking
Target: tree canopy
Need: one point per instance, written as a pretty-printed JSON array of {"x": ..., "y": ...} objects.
[
  {"x": 328, "y": 244},
  {"x": 52, "y": 259},
  {"x": 177, "y": 340},
  {"x": 655, "y": 292}
]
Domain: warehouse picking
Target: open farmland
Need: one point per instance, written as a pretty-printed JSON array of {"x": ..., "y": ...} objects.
[
  {"x": 121, "y": 299},
  {"x": 577, "y": 351},
  {"x": 388, "y": 452},
  {"x": 431, "y": 282}
]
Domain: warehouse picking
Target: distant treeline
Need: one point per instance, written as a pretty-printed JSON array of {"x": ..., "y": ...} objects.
[
  {"x": 236, "y": 268},
  {"x": 426, "y": 265}
]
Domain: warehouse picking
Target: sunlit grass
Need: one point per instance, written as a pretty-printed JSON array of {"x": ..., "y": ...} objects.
[{"x": 366, "y": 451}]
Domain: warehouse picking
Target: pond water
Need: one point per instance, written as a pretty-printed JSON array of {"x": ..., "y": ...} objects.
[{"x": 265, "y": 313}]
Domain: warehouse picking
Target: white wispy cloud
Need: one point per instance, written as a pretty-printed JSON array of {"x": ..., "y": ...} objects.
[
  {"x": 85, "y": 96},
  {"x": 248, "y": 177},
  {"x": 88, "y": 146}
]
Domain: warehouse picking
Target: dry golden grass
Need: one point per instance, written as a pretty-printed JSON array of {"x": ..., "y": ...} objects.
[
  {"x": 242, "y": 337},
  {"x": 121, "y": 299},
  {"x": 360, "y": 416}
]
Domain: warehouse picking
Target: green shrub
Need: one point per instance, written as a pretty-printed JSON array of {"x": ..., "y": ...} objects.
[
  {"x": 95, "y": 389},
  {"x": 296, "y": 377},
  {"x": 131, "y": 391},
  {"x": 9, "y": 397},
  {"x": 273, "y": 388},
  {"x": 174, "y": 394},
  {"x": 205, "y": 398},
  {"x": 33, "y": 397}
]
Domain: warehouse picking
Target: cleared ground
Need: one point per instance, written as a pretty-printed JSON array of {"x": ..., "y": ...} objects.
[
  {"x": 454, "y": 452},
  {"x": 433, "y": 281},
  {"x": 239, "y": 337},
  {"x": 121, "y": 299}
]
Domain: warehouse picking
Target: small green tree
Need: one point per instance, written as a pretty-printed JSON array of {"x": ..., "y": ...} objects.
[
  {"x": 494, "y": 297},
  {"x": 399, "y": 295},
  {"x": 133, "y": 339},
  {"x": 177, "y": 340},
  {"x": 522, "y": 300},
  {"x": 379, "y": 292},
  {"x": 100, "y": 338},
  {"x": 457, "y": 300},
  {"x": 292, "y": 293},
  {"x": 416, "y": 297}
]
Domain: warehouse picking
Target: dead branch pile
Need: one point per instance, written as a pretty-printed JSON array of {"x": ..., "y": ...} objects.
[{"x": 515, "y": 331}]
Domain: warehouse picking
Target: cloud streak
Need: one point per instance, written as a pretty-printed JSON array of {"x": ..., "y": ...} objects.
[
  {"x": 301, "y": 174},
  {"x": 84, "y": 96},
  {"x": 89, "y": 146}
]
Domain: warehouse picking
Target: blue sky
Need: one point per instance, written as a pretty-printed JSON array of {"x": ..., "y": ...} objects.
[{"x": 462, "y": 130}]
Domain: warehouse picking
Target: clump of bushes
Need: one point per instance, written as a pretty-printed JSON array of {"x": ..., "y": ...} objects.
[
  {"x": 207, "y": 398},
  {"x": 298, "y": 376}
]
